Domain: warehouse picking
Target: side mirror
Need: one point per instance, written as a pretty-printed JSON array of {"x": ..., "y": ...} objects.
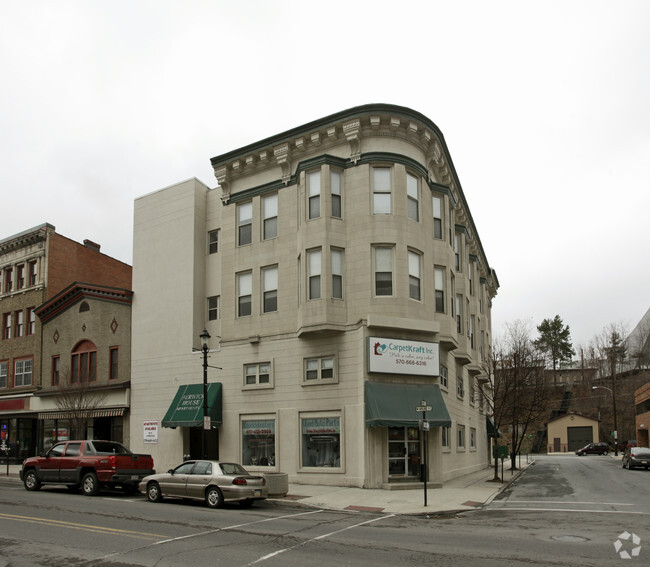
[
  {"x": 43, "y": 454},
  {"x": 171, "y": 471}
]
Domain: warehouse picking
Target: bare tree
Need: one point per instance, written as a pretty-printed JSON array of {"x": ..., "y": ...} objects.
[
  {"x": 77, "y": 402},
  {"x": 520, "y": 391}
]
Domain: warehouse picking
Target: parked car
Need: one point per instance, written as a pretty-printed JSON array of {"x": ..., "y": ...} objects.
[
  {"x": 213, "y": 482},
  {"x": 594, "y": 449},
  {"x": 87, "y": 464},
  {"x": 636, "y": 457}
]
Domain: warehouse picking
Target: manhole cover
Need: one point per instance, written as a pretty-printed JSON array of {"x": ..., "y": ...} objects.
[{"x": 570, "y": 538}]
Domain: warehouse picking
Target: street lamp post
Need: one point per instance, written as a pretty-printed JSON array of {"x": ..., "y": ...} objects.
[
  {"x": 205, "y": 347},
  {"x": 614, "y": 407}
]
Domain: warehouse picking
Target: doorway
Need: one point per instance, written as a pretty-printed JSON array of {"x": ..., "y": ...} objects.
[
  {"x": 196, "y": 443},
  {"x": 404, "y": 453}
]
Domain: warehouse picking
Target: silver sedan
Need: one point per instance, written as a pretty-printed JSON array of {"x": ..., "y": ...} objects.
[{"x": 213, "y": 482}]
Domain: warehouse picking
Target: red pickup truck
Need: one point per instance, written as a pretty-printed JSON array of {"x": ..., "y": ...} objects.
[{"x": 87, "y": 464}]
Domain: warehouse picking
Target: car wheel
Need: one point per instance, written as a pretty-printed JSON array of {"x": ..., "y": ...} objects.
[
  {"x": 213, "y": 497},
  {"x": 90, "y": 484},
  {"x": 31, "y": 481},
  {"x": 153, "y": 492}
]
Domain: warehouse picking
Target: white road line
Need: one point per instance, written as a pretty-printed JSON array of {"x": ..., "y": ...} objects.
[
  {"x": 584, "y": 510},
  {"x": 279, "y": 551},
  {"x": 563, "y": 502}
]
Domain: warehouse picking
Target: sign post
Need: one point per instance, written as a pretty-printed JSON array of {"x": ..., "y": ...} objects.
[{"x": 424, "y": 408}]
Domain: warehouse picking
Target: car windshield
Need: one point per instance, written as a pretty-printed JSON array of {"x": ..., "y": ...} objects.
[
  {"x": 232, "y": 468},
  {"x": 638, "y": 452}
]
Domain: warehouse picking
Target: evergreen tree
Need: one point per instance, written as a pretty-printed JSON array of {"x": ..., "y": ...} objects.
[{"x": 554, "y": 342}]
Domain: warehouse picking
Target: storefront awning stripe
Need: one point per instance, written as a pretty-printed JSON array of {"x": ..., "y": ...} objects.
[
  {"x": 395, "y": 405},
  {"x": 186, "y": 409},
  {"x": 73, "y": 414}
]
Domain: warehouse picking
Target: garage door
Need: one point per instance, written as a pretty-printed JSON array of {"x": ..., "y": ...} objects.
[{"x": 579, "y": 437}]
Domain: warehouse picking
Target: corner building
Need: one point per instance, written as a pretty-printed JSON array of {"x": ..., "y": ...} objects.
[{"x": 339, "y": 273}]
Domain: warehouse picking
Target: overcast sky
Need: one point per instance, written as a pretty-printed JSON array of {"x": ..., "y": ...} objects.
[{"x": 545, "y": 107}]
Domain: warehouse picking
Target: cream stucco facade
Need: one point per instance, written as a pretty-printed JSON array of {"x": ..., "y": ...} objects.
[{"x": 350, "y": 228}]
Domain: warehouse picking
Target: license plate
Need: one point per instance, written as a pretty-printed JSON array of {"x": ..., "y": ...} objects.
[
  {"x": 258, "y": 493},
  {"x": 135, "y": 477},
  {"x": 644, "y": 462}
]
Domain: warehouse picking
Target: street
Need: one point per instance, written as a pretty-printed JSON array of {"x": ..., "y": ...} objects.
[{"x": 564, "y": 510}]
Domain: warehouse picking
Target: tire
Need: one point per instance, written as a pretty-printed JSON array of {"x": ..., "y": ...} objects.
[
  {"x": 154, "y": 494},
  {"x": 90, "y": 484},
  {"x": 213, "y": 497},
  {"x": 31, "y": 481}
]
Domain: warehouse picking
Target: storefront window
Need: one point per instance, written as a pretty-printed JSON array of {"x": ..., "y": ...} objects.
[
  {"x": 258, "y": 442},
  {"x": 321, "y": 442}
]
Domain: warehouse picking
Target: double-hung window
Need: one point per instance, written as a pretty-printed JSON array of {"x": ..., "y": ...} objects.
[
  {"x": 244, "y": 223},
  {"x": 381, "y": 190},
  {"x": 4, "y": 372},
  {"x": 457, "y": 252},
  {"x": 213, "y": 241},
  {"x": 270, "y": 212},
  {"x": 313, "y": 189},
  {"x": 460, "y": 387},
  {"x": 244, "y": 294},
  {"x": 335, "y": 193},
  {"x": 6, "y": 326},
  {"x": 32, "y": 272},
  {"x": 319, "y": 369},
  {"x": 20, "y": 324},
  {"x": 461, "y": 436},
  {"x": 314, "y": 275},
  {"x": 20, "y": 276},
  {"x": 444, "y": 376},
  {"x": 383, "y": 270},
  {"x": 439, "y": 284},
  {"x": 257, "y": 374},
  {"x": 23, "y": 372},
  {"x": 8, "y": 279},
  {"x": 459, "y": 314},
  {"x": 84, "y": 362},
  {"x": 31, "y": 321},
  {"x": 113, "y": 363},
  {"x": 270, "y": 289},
  {"x": 414, "y": 276},
  {"x": 413, "y": 197},
  {"x": 437, "y": 217},
  {"x": 214, "y": 307},
  {"x": 337, "y": 273}
]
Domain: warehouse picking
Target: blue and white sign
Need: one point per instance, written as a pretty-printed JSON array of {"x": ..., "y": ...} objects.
[{"x": 393, "y": 356}]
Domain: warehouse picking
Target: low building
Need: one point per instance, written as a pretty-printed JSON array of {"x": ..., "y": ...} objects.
[
  {"x": 567, "y": 433},
  {"x": 642, "y": 404},
  {"x": 339, "y": 273}
]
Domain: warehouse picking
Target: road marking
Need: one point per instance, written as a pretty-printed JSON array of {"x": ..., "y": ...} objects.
[
  {"x": 279, "y": 551},
  {"x": 581, "y": 510},
  {"x": 563, "y": 502},
  {"x": 82, "y": 527}
]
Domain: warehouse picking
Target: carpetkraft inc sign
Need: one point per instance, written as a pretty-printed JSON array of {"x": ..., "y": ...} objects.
[{"x": 394, "y": 356}]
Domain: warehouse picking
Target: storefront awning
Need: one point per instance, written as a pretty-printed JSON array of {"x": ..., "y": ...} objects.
[
  {"x": 82, "y": 413},
  {"x": 395, "y": 405},
  {"x": 186, "y": 409},
  {"x": 492, "y": 430}
]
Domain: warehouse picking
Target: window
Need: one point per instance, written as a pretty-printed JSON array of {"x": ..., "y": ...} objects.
[
  {"x": 244, "y": 223},
  {"x": 31, "y": 321},
  {"x": 270, "y": 289},
  {"x": 472, "y": 322},
  {"x": 213, "y": 307},
  {"x": 439, "y": 283},
  {"x": 459, "y": 314},
  {"x": 470, "y": 276},
  {"x": 32, "y": 272},
  {"x": 460, "y": 387},
  {"x": 8, "y": 280},
  {"x": 414, "y": 275},
  {"x": 84, "y": 362},
  {"x": 113, "y": 363},
  {"x": 56, "y": 370},
  {"x": 461, "y": 436},
  {"x": 257, "y": 374},
  {"x": 381, "y": 202},
  {"x": 84, "y": 307},
  {"x": 6, "y": 326},
  {"x": 213, "y": 241},
  {"x": 446, "y": 436},
  {"x": 20, "y": 276},
  {"x": 437, "y": 217},
  {"x": 258, "y": 442},
  {"x": 313, "y": 188},
  {"x": 319, "y": 369},
  {"x": 23, "y": 372},
  {"x": 4, "y": 371},
  {"x": 20, "y": 323},
  {"x": 383, "y": 270},
  {"x": 413, "y": 197},
  {"x": 314, "y": 266},
  {"x": 337, "y": 273},
  {"x": 244, "y": 294},
  {"x": 472, "y": 438},
  {"x": 335, "y": 191},
  {"x": 457, "y": 252},
  {"x": 321, "y": 442},
  {"x": 270, "y": 212},
  {"x": 444, "y": 376}
]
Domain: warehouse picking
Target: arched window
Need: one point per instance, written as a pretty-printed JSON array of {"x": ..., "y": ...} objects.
[
  {"x": 84, "y": 307},
  {"x": 84, "y": 362}
]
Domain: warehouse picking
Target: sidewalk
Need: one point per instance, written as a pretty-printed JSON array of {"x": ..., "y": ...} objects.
[{"x": 468, "y": 492}]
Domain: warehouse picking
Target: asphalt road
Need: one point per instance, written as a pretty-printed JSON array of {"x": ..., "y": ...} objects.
[{"x": 562, "y": 511}]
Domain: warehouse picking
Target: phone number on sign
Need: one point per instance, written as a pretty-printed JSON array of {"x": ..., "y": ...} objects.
[{"x": 411, "y": 362}]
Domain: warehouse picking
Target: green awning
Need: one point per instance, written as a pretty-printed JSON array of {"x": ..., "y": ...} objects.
[
  {"x": 395, "y": 405},
  {"x": 492, "y": 430},
  {"x": 186, "y": 410}
]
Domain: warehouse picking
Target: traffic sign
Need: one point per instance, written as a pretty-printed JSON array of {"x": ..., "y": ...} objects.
[{"x": 423, "y": 408}]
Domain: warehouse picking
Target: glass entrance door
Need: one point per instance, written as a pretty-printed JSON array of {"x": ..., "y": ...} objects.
[{"x": 403, "y": 452}]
